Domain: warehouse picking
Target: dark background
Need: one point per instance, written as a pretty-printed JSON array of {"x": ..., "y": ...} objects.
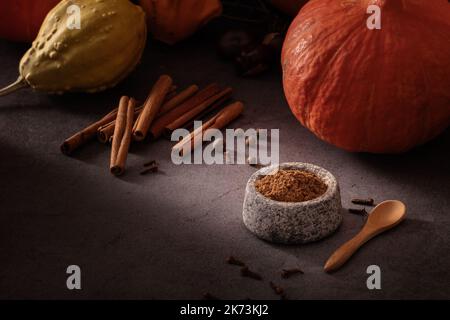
[{"x": 166, "y": 236}]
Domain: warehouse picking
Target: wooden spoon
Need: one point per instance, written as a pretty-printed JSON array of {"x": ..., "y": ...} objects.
[{"x": 385, "y": 216}]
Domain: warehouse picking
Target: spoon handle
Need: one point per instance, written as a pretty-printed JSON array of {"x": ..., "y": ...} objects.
[{"x": 341, "y": 255}]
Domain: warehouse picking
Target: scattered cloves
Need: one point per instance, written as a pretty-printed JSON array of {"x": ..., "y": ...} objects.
[
  {"x": 287, "y": 273},
  {"x": 361, "y": 212},
  {"x": 364, "y": 202},
  {"x": 232, "y": 260},
  {"x": 246, "y": 272}
]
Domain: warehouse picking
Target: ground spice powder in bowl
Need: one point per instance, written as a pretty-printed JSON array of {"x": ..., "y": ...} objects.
[
  {"x": 291, "y": 186},
  {"x": 292, "y": 203}
]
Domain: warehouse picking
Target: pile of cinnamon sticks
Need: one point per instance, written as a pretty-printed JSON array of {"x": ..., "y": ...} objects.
[{"x": 164, "y": 111}]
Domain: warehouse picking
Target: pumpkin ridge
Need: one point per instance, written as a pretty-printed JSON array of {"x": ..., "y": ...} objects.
[
  {"x": 322, "y": 39},
  {"x": 304, "y": 119},
  {"x": 310, "y": 110},
  {"x": 427, "y": 130},
  {"x": 394, "y": 29},
  {"x": 370, "y": 103},
  {"x": 425, "y": 123},
  {"x": 376, "y": 76},
  {"x": 377, "y": 82}
]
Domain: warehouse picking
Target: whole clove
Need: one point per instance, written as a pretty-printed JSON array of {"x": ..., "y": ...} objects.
[
  {"x": 278, "y": 290},
  {"x": 246, "y": 272},
  {"x": 252, "y": 162},
  {"x": 151, "y": 168},
  {"x": 364, "y": 202},
  {"x": 287, "y": 273},
  {"x": 232, "y": 260},
  {"x": 209, "y": 296},
  {"x": 150, "y": 163},
  {"x": 361, "y": 212}
]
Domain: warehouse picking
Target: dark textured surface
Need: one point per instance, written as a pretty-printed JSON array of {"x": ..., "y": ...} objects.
[{"x": 167, "y": 235}]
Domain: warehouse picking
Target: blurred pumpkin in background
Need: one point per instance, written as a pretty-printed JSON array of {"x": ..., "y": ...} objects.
[
  {"x": 173, "y": 20},
  {"x": 169, "y": 20},
  {"x": 20, "y": 20}
]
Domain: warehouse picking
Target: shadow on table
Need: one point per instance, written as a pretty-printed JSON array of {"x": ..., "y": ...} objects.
[
  {"x": 51, "y": 216},
  {"x": 436, "y": 151}
]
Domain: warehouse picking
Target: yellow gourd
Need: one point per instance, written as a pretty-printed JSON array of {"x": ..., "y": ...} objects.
[{"x": 104, "y": 50}]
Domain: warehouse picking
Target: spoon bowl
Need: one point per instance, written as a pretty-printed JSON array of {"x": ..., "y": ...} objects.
[{"x": 385, "y": 216}]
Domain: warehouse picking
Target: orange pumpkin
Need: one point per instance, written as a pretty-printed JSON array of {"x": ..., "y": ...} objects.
[
  {"x": 20, "y": 20},
  {"x": 380, "y": 91},
  {"x": 173, "y": 20}
]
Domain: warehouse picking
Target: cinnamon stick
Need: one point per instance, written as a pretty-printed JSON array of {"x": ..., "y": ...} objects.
[
  {"x": 227, "y": 115},
  {"x": 158, "y": 126},
  {"x": 151, "y": 107},
  {"x": 214, "y": 107},
  {"x": 88, "y": 133},
  {"x": 179, "y": 99},
  {"x": 178, "y": 123},
  {"x": 171, "y": 94},
  {"x": 202, "y": 115},
  {"x": 105, "y": 132},
  {"x": 122, "y": 135},
  {"x": 219, "y": 121},
  {"x": 173, "y": 88}
]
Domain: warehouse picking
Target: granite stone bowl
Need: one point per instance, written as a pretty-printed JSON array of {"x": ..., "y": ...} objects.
[{"x": 293, "y": 222}]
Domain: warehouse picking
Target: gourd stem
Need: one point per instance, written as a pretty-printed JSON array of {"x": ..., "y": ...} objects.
[{"x": 19, "y": 84}]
